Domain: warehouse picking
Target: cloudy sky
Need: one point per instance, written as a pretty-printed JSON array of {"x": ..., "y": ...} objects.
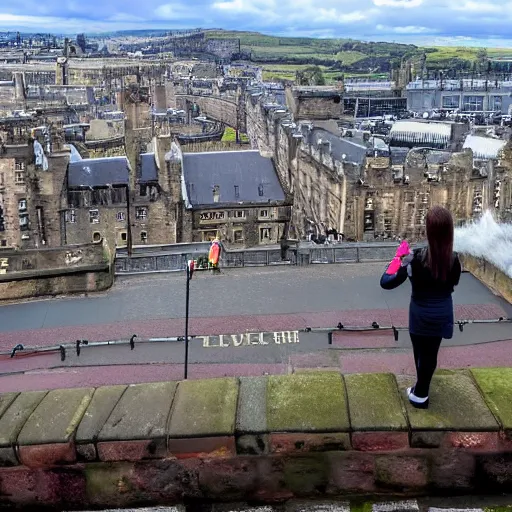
[{"x": 461, "y": 22}]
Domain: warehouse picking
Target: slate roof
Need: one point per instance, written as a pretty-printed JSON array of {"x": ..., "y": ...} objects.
[
  {"x": 240, "y": 175},
  {"x": 148, "y": 168},
  {"x": 354, "y": 150},
  {"x": 99, "y": 172}
]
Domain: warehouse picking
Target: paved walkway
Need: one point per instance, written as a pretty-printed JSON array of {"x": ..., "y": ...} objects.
[{"x": 235, "y": 303}]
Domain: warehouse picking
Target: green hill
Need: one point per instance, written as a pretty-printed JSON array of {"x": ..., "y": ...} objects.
[{"x": 281, "y": 57}]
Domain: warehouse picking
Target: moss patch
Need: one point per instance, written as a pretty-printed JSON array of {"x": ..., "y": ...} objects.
[
  {"x": 455, "y": 404},
  {"x": 205, "y": 408},
  {"x": 307, "y": 403},
  {"x": 496, "y": 386},
  {"x": 369, "y": 413}
]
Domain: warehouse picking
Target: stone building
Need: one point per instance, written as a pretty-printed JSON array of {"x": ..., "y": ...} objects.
[
  {"x": 108, "y": 199},
  {"x": 235, "y": 196},
  {"x": 467, "y": 95},
  {"x": 31, "y": 188}
]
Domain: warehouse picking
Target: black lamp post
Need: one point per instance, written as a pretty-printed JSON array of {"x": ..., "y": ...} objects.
[{"x": 190, "y": 272}]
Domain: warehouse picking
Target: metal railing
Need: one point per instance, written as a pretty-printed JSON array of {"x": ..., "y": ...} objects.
[{"x": 172, "y": 259}]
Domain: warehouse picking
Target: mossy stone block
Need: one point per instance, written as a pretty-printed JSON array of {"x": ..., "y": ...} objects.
[
  {"x": 102, "y": 404},
  {"x": 56, "y": 418},
  {"x": 204, "y": 408},
  {"x": 17, "y": 414},
  {"x": 141, "y": 413},
  {"x": 455, "y": 404},
  {"x": 374, "y": 402},
  {"x": 6, "y": 400},
  {"x": 307, "y": 403},
  {"x": 496, "y": 386}
]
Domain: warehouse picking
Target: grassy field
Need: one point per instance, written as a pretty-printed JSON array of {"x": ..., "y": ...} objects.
[
  {"x": 281, "y": 57},
  {"x": 230, "y": 136}
]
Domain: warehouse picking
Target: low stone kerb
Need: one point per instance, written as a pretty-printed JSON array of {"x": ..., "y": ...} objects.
[
  {"x": 455, "y": 405},
  {"x": 204, "y": 408},
  {"x": 56, "y": 418},
  {"x": 307, "y": 403},
  {"x": 141, "y": 413},
  {"x": 496, "y": 386}
]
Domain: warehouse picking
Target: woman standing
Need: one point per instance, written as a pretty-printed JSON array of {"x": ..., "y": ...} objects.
[{"x": 434, "y": 271}]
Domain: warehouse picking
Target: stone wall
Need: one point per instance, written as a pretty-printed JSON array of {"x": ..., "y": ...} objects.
[
  {"x": 260, "y": 439},
  {"x": 492, "y": 277},
  {"x": 46, "y": 284},
  {"x": 220, "y": 109},
  {"x": 40, "y": 272}
]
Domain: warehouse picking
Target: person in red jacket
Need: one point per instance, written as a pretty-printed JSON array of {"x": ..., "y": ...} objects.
[{"x": 434, "y": 271}]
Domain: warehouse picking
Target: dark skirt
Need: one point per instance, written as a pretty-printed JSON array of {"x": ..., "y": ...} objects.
[{"x": 431, "y": 317}]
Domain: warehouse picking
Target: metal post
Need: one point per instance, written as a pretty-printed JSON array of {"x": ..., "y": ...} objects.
[
  {"x": 129, "y": 241},
  {"x": 186, "y": 321}
]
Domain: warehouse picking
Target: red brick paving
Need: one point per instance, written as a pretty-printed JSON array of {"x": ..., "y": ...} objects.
[{"x": 399, "y": 361}]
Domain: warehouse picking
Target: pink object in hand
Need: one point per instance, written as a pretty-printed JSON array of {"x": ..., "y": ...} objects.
[
  {"x": 403, "y": 249},
  {"x": 394, "y": 266}
]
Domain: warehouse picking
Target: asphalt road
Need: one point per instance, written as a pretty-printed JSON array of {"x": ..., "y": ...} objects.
[
  {"x": 248, "y": 291},
  {"x": 234, "y": 303}
]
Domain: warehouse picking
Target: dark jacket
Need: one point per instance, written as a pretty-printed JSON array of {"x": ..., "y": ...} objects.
[{"x": 431, "y": 307}]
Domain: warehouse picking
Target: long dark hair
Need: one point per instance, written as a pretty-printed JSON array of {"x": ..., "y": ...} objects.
[{"x": 440, "y": 242}]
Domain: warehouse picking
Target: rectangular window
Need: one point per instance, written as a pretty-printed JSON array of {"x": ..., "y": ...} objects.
[
  {"x": 264, "y": 214},
  {"x": 94, "y": 216},
  {"x": 120, "y": 216},
  {"x": 24, "y": 222},
  {"x": 19, "y": 177},
  {"x": 71, "y": 216},
  {"x": 143, "y": 236},
  {"x": 19, "y": 165},
  {"x": 238, "y": 236},
  {"x": 496, "y": 103},
  {"x": 22, "y": 205},
  {"x": 124, "y": 236},
  {"x": 3, "y": 243},
  {"x": 237, "y": 191},
  {"x": 473, "y": 103},
  {"x": 141, "y": 213},
  {"x": 239, "y": 214},
  {"x": 2, "y": 182},
  {"x": 265, "y": 234},
  {"x": 451, "y": 101}
]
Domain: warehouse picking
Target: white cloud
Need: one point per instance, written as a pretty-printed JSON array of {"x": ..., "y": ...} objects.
[
  {"x": 485, "y": 22},
  {"x": 398, "y": 3}
]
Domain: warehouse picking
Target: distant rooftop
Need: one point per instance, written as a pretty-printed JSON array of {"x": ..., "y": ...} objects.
[
  {"x": 234, "y": 177},
  {"x": 99, "y": 172}
]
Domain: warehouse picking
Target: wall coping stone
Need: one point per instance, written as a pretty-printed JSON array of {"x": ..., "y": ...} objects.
[
  {"x": 205, "y": 408},
  {"x": 17, "y": 415},
  {"x": 141, "y": 413},
  {"x": 314, "y": 402},
  {"x": 496, "y": 387},
  {"x": 56, "y": 418},
  {"x": 459, "y": 406},
  {"x": 379, "y": 406},
  {"x": 102, "y": 404}
]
